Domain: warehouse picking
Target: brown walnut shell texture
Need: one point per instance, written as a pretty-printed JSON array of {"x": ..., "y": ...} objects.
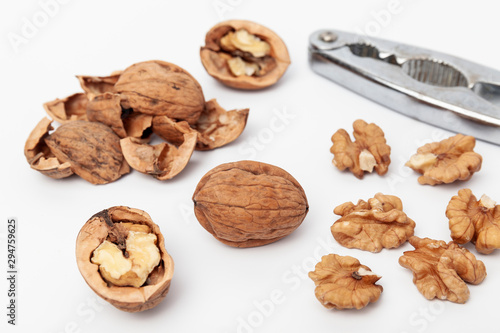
[
  {"x": 248, "y": 203},
  {"x": 160, "y": 88},
  {"x": 92, "y": 149},
  {"x": 130, "y": 299},
  {"x": 214, "y": 59}
]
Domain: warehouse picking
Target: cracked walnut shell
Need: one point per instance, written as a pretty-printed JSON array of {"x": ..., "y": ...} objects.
[
  {"x": 244, "y": 55},
  {"x": 160, "y": 88},
  {"x": 373, "y": 225},
  {"x": 247, "y": 203},
  {"x": 112, "y": 225},
  {"x": 91, "y": 150},
  {"x": 476, "y": 221},
  {"x": 446, "y": 161},
  {"x": 369, "y": 150},
  {"x": 440, "y": 270},
  {"x": 343, "y": 283}
]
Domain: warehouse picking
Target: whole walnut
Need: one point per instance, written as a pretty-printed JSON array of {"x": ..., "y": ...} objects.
[{"x": 248, "y": 203}]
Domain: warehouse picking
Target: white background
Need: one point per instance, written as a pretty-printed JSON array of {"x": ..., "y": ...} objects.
[{"x": 217, "y": 288}]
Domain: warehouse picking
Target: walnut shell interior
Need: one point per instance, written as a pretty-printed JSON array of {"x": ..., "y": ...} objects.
[{"x": 130, "y": 299}]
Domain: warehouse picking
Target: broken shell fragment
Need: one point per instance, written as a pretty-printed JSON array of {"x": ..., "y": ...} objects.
[
  {"x": 106, "y": 109},
  {"x": 97, "y": 85},
  {"x": 216, "y": 127},
  {"x": 40, "y": 157},
  {"x": 163, "y": 161},
  {"x": 70, "y": 108},
  {"x": 115, "y": 226}
]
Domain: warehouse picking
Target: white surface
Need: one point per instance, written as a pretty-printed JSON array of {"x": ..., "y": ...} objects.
[{"x": 216, "y": 287}]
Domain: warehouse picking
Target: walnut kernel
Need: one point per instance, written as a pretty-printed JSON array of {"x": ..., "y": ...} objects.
[
  {"x": 446, "y": 161},
  {"x": 369, "y": 151},
  {"x": 343, "y": 283},
  {"x": 476, "y": 221},
  {"x": 373, "y": 225},
  {"x": 440, "y": 270}
]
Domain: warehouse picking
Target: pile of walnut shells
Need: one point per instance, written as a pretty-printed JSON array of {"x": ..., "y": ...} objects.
[{"x": 106, "y": 130}]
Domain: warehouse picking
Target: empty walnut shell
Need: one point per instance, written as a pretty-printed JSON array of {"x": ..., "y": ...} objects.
[
  {"x": 40, "y": 157},
  {"x": 270, "y": 68},
  {"x": 161, "y": 88},
  {"x": 70, "y": 108},
  {"x": 131, "y": 299},
  {"x": 247, "y": 203}
]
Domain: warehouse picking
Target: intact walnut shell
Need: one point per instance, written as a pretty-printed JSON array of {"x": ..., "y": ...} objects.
[
  {"x": 248, "y": 203},
  {"x": 131, "y": 299},
  {"x": 215, "y": 59}
]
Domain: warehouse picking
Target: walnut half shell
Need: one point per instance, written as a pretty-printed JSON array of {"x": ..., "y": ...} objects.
[
  {"x": 104, "y": 226},
  {"x": 244, "y": 55}
]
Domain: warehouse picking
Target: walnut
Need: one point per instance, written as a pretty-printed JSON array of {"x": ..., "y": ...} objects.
[
  {"x": 139, "y": 274},
  {"x": 70, "y": 108},
  {"x": 91, "y": 150},
  {"x": 247, "y": 203},
  {"x": 161, "y": 88},
  {"x": 244, "y": 55},
  {"x": 369, "y": 150},
  {"x": 343, "y": 283},
  {"x": 373, "y": 225},
  {"x": 476, "y": 221},
  {"x": 446, "y": 161},
  {"x": 215, "y": 127},
  {"x": 440, "y": 270}
]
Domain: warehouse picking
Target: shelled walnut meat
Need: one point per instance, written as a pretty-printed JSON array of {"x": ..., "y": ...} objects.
[
  {"x": 441, "y": 270},
  {"x": 121, "y": 254},
  {"x": 248, "y": 203},
  {"x": 373, "y": 225},
  {"x": 244, "y": 55},
  {"x": 148, "y": 97},
  {"x": 476, "y": 221},
  {"x": 343, "y": 283},
  {"x": 446, "y": 161},
  {"x": 369, "y": 151}
]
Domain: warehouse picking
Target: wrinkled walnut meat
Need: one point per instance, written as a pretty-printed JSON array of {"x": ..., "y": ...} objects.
[
  {"x": 343, "y": 283},
  {"x": 152, "y": 97},
  {"x": 446, "y": 161},
  {"x": 476, "y": 221},
  {"x": 91, "y": 150},
  {"x": 440, "y": 270},
  {"x": 245, "y": 55},
  {"x": 373, "y": 225},
  {"x": 247, "y": 203},
  {"x": 369, "y": 150},
  {"x": 121, "y": 254}
]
